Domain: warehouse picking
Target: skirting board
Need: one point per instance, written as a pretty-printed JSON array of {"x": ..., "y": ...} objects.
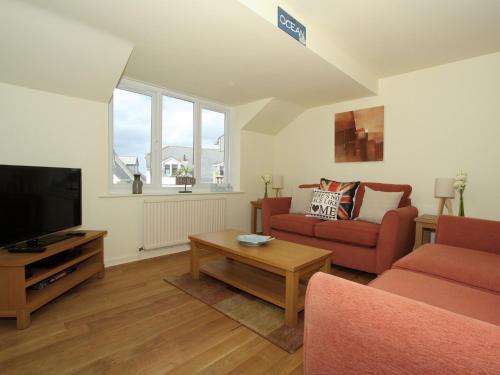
[{"x": 146, "y": 254}]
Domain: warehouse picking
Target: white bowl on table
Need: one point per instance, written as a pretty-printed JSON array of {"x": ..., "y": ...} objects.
[{"x": 254, "y": 239}]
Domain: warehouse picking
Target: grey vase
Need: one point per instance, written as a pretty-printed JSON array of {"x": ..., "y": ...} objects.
[{"x": 137, "y": 184}]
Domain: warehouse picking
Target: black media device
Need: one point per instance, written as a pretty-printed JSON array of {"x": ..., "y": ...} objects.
[{"x": 36, "y": 202}]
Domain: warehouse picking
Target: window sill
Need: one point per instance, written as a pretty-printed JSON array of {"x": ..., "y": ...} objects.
[{"x": 165, "y": 194}]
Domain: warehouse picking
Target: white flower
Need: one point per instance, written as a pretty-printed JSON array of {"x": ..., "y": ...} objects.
[
  {"x": 460, "y": 181},
  {"x": 267, "y": 178}
]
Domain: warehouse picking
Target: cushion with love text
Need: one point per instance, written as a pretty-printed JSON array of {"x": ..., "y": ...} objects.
[{"x": 324, "y": 204}]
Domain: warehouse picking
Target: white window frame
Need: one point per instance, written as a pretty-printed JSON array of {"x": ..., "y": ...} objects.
[{"x": 156, "y": 93}]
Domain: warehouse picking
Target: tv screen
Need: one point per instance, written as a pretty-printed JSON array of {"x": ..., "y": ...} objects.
[{"x": 35, "y": 201}]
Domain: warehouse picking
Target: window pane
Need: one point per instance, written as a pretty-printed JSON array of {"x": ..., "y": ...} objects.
[
  {"x": 212, "y": 146},
  {"x": 177, "y": 139},
  {"x": 131, "y": 136}
]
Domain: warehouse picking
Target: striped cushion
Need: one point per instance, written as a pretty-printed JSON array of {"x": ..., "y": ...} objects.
[{"x": 348, "y": 190}]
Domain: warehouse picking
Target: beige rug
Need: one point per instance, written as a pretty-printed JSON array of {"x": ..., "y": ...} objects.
[{"x": 260, "y": 316}]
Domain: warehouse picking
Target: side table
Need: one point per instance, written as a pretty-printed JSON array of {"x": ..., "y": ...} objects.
[
  {"x": 255, "y": 205},
  {"x": 425, "y": 224}
]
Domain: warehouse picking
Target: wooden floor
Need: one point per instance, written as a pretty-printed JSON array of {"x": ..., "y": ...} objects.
[{"x": 132, "y": 322}]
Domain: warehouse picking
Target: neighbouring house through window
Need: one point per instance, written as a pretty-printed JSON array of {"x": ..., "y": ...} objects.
[{"x": 160, "y": 135}]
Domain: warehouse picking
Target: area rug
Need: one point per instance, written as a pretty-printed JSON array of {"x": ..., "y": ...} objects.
[{"x": 262, "y": 317}]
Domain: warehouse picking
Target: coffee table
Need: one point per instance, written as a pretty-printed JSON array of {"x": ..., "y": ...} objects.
[{"x": 271, "y": 272}]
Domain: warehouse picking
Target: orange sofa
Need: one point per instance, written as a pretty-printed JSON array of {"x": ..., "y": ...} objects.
[
  {"x": 437, "y": 311},
  {"x": 355, "y": 244}
]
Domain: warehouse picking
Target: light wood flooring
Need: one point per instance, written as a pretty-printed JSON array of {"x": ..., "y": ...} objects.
[{"x": 132, "y": 322}]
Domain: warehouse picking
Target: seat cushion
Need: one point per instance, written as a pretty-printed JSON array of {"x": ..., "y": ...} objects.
[
  {"x": 449, "y": 295},
  {"x": 354, "y": 232},
  {"x": 473, "y": 267},
  {"x": 295, "y": 223}
]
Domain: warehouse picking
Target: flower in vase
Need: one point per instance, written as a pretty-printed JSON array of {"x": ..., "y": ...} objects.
[
  {"x": 459, "y": 185},
  {"x": 267, "y": 178},
  {"x": 460, "y": 181}
]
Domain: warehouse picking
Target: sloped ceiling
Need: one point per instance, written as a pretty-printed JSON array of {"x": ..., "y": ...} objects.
[
  {"x": 392, "y": 37},
  {"x": 217, "y": 49},
  {"x": 44, "y": 51},
  {"x": 232, "y": 52},
  {"x": 274, "y": 115}
]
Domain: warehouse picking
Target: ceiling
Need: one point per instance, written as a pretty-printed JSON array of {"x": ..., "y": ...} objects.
[
  {"x": 219, "y": 50},
  {"x": 224, "y": 51},
  {"x": 43, "y": 51},
  {"x": 397, "y": 36}
]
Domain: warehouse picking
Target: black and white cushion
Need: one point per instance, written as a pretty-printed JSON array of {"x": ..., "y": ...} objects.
[{"x": 324, "y": 204}]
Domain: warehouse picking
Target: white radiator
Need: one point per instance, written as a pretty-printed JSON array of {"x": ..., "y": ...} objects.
[{"x": 169, "y": 222}]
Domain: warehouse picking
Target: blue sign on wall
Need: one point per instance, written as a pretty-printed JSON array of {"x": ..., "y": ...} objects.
[{"x": 291, "y": 26}]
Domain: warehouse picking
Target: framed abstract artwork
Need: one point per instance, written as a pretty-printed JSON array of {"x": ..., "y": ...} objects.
[{"x": 359, "y": 135}]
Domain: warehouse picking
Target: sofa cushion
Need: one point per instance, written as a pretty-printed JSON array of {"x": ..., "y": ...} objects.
[
  {"x": 449, "y": 295},
  {"x": 301, "y": 200},
  {"x": 348, "y": 190},
  {"x": 324, "y": 204},
  {"x": 377, "y": 203},
  {"x": 473, "y": 267},
  {"x": 295, "y": 223},
  {"x": 405, "y": 199},
  {"x": 354, "y": 232}
]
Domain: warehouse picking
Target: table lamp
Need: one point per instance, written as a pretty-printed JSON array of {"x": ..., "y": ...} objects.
[
  {"x": 444, "y": 191},
  {"x": 277, "y": 185}
]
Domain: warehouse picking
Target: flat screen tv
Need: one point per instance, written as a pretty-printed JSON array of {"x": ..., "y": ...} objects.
[{"x": 36, "y": 201}]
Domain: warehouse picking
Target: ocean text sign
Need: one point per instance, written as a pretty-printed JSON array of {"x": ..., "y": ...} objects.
[{"x": 291, "y": 26}]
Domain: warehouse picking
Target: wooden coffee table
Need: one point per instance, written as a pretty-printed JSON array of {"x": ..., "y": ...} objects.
[{"x": 271, "y": 272}]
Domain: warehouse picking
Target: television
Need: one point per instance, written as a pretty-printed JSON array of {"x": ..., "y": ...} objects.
[{"x": 38, "y": 201}]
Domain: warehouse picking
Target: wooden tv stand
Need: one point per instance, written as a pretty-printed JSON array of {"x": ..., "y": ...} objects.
[{"x": 18, "y": 300}]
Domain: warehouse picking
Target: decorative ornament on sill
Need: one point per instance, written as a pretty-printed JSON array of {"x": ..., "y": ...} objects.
[
  {"x": 137, "y": 184},
  {"x": 459, "y": 185},
  {"x": 184, "y": 177},
  {"x": 267, "y": 178}
]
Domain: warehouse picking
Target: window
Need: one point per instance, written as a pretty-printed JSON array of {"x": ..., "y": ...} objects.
[
  {"x": 177, "y": 136},
  {"x": 131, "y": 135},
  {"x": 212, "y": 146},
  {"x": 160, "y": 135}
]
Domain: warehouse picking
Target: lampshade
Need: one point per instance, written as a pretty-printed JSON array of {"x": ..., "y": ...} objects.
[
  {"x": 443, "y": 188},
  {"x": 277, "y": 182}
]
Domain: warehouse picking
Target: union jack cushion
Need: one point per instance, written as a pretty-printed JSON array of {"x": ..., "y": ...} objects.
[{"x": 348, "y": 190}]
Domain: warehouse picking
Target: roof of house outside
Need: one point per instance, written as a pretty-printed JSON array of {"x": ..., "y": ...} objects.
[
  {"x": 124, "y": 167},
  {"x": 210, "y": 158},
  {"x": 129, "y": 160}
]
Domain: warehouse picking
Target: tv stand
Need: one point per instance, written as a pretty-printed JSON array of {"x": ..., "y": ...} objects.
[
  {"x": 22, "y": 249},
  {"x": 47, "y": 240},
  {"x": 19, "y": 300}
]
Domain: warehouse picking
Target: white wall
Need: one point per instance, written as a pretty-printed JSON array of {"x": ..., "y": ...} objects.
[
  {"x": 437, "y": 120},
  {"x": 41, "y": 128}
]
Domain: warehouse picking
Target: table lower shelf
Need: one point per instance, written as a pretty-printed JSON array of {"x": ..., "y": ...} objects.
[{"x": 257, "y": 282}]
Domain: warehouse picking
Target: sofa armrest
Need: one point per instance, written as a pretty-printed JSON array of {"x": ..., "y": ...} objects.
[
  {"x": 273, "y": 206},
  {"x": 470, "y": 233},
  {"x": 396, "y": 236},
  {"x": 356, "y": 329}
]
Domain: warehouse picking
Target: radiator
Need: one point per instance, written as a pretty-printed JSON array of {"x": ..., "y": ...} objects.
[{"x": 170, "y": 222}]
